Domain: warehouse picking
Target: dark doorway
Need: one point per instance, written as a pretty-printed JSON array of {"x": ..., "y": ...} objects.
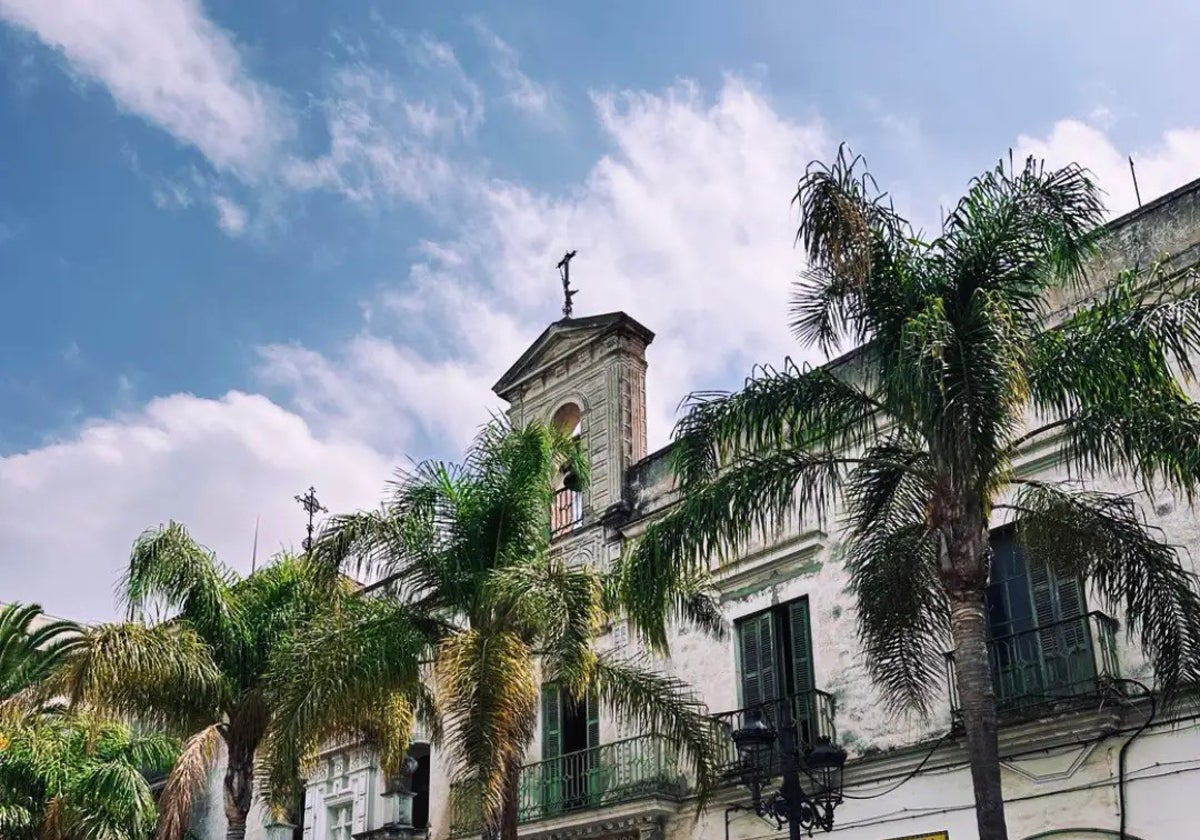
[
  {"x": 420, "y": 787},
  {"x": 577, "y": 757}
]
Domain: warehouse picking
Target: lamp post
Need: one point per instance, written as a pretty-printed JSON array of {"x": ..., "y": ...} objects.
[{"x": 821, "y": 766}]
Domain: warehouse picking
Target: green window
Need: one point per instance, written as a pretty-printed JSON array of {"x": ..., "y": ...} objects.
[
  {"x": 776, "y": 662},
  {"x": 1041, "y": 644},
  {"x": 570, "y": 738}
]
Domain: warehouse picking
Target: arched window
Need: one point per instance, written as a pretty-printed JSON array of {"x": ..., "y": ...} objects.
[
  {"x": 566, "y": 512},
  {"x": 568, "y": 418}
]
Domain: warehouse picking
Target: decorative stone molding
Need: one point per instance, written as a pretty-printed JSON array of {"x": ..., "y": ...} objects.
[{"x": 643, "y": 820}]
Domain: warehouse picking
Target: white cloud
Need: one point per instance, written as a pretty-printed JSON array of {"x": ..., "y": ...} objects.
[
  {"x": 231, "y": 216},
  {"x": 379, "y": 141},
  {"x": 70, "y": 511},
  {"x": 1161, "y": 167},
  {"x": 686, "y": 224},
  {"x": 523, "y": 93},
  {"x": 166, "y": 62}
]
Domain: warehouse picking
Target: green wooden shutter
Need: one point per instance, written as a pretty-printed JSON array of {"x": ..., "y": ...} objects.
[
  {"x": 551, "y": 721},
  {"x": 801, "y": 639},
  {"x": 593, "y": 719},
  {"x": 1067, "y": 665},
  {"x": 551, "y": 780},
  {"x": 1042, "y": 593},
  {"x": 598, "y": 771},
  {"x": 759, "y": 679},
  {"x": 803, "y": 701}
]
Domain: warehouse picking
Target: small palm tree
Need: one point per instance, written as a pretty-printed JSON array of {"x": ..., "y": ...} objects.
[
  {"x": 75, "y": 777},
  {"x": 203, "y": 672},
  {"x": 473, "y": 593},
  {"x": 962, "y": 363}
]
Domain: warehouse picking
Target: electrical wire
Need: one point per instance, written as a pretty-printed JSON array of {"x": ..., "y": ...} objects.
[
  {"x": 906, "y": 778},
  {"x": 1149, "y": 695}
]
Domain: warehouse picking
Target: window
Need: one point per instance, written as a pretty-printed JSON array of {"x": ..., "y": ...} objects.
[
  {"x": 570, "y": 736},
  {"x": 1040, "y": 636},
  {"x": 341, "y": 817},
  {"x": 566, "y": 511},
  {"x": 777, "y": 667},
  {"x": 776, "y": 651}
]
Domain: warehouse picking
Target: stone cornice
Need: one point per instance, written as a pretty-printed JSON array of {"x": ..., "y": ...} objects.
[{"x": 642, "y": 819}]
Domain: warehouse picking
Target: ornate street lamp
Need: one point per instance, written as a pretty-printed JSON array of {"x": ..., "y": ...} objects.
[{"x": 822, "y": 765}]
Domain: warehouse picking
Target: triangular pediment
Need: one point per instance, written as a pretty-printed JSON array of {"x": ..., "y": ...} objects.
[{"x": 563, "y": 338}]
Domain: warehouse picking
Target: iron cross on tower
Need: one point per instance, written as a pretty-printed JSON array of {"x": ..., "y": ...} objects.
[
  {"x": 312, "y": 507},
  {"x": 564, "y": 271}
]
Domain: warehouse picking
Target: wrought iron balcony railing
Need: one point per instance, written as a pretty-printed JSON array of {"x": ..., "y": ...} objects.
[
  {"x": 810, "y": 713},
  {"x": 635, "y": 768},
  {"x": 566, "y": 512},
  {"x": 1050, "y": 668}
]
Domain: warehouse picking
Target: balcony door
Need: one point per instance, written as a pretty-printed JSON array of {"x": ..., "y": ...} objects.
[
  {"x": 1041, "y": 644},
  {"x": 571, "y": 775},
  {"x": 777, "y": 666}
]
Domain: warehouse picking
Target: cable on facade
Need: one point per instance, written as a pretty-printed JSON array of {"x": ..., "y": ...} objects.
[
  {"x": 1149, "y": 695},
  {"x": 909, "y": 776},
  {"x": 920, "y": 813}
]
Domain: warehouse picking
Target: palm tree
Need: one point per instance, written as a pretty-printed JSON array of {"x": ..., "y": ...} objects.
[
  {"x": 75, "y": 777},
  {"x": 472, "y": 594},
  {"x": 32, "y": 646},
  {"x": 202, "y": 673},
  {"x": 65, "y": 774},
  {"x": 961, "y": 364}
]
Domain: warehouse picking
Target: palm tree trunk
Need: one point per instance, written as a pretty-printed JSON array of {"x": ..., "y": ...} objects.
[
  {"x": 239, "y": 789},
  {"x": 968, "y": 625},
  {"x": 508, "y": 817}
]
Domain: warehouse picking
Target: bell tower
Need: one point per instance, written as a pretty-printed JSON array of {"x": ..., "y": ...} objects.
[{"x": 587, "y": 375}]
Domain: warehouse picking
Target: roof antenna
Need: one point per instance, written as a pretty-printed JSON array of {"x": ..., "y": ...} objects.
[
  {"x": 1136, "y": 191},
  {"x": 564, "y": 271},
  {"x": 254, "y": 551}
]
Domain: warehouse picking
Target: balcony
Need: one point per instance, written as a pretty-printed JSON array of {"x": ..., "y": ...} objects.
[
  {"x": 643, "y": 767},
  {"x": 1050, "y": 669},
  {"x": 810, "y": 713},
  {"x": 566, "y": 512}
]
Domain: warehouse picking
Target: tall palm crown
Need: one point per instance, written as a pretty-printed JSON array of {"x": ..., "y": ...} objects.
[
  {"x": 962, "y": 362},
  {"x": 203, "y": 671},
  {"x": 471, "y": 591}
]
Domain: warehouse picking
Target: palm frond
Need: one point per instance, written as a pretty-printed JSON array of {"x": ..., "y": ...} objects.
[
  {"x": 903, "y": 616},
  {"x": 341, "y": 676},
  {"x": 892, "y": 558},
  {"x": 109, "y": 801},
  {"x": 1016, "y": 233},
  {"x": 1105, "y": 538},
  {"x": 163, "y": 674},
  {"x": 28, "y": 653},
  {"x": 170, "y": 571},
  {"x": 488, "y": 693},
  {"x": 1107, "y": 375},
  {"x": 756, "y": 497},
  {"x": 558, "y": 607},
  {"x": 666, "y": 706},
  {"x": 792, "y": 407},
  {"x": 697, "y": 604}
]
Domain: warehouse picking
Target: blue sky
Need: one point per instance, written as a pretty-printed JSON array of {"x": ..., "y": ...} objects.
[{"x": 246, "y": 247}]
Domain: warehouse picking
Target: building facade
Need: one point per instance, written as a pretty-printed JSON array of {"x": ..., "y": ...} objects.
[{"x": 1081, "y": 750}]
